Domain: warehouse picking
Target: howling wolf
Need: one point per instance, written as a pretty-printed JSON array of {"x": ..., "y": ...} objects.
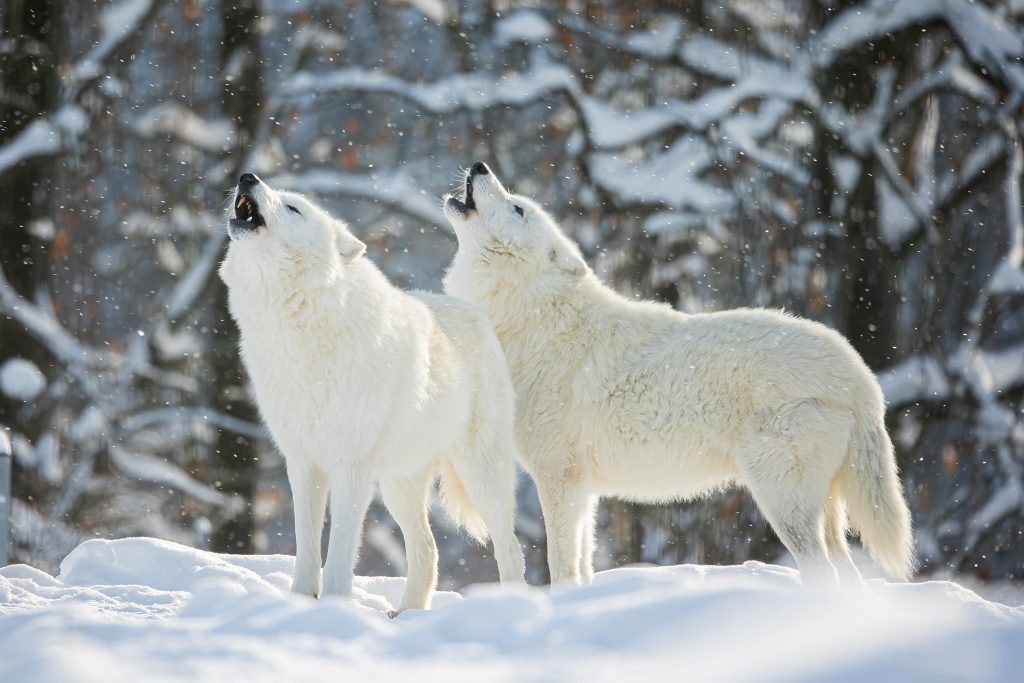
[
  {"x": 360, "y": 383},
  {"x": 633, "y": 399}
]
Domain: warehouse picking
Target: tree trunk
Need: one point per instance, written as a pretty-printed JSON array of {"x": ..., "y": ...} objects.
[
  {"x": 30, "y": 88},
  {"x": 235, "y": 463}
]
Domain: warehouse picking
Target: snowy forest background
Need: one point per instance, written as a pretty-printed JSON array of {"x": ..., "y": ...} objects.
[{"x": 856, "y": 162}]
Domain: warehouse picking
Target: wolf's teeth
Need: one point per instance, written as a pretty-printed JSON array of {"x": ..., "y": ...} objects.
[
  {"x": 241, "y": 200},
  {"x": 249, "y": 219}
]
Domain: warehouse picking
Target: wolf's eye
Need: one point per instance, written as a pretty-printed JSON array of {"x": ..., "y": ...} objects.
[
  {"x": 292, "y": 208},
  {"x": 519, "y": 210}
]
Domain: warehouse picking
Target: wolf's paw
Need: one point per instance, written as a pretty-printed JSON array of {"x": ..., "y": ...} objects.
[{"x": 393, "y": 613}]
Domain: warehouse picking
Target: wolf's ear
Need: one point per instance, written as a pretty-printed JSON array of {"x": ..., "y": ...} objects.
[
  {"x": 569, "y": 261},
  {"x": 349, "y": 246}
]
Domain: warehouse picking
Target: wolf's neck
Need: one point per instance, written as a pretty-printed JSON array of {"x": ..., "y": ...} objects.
[
  {"x": 530, "y": 311},
  {"x": 307, "y": 305}
]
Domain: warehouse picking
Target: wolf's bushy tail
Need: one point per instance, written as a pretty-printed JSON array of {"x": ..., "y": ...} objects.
[
  {"x": 457, "y": 505},
  {"x": 877, "y": 510}
]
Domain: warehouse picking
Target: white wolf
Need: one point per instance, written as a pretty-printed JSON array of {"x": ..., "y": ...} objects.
[
  {"x": 360, "y": 383},
  {"x": 633, "y": 399}
]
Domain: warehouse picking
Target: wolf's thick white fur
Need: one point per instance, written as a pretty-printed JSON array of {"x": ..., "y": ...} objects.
[
  {"x": 360, "y": 383},
  {"x": 633, "y": 399}
]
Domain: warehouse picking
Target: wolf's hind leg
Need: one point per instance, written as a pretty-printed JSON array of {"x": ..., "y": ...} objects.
[
  {"x": 835, "y": 539},
  {"x": 788, "y": 462},
  {"x": 408, "y": 501}
]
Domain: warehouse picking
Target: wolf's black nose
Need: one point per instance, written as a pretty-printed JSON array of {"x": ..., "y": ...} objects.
[
  {"x": 247, "y": 180},
  {"x": 479, "y": 168}
]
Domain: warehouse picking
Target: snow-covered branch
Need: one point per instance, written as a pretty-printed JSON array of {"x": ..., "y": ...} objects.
[
  {"x": 157, "y": 471},
  {"x": 55, "y": 133},
  {"x": 47, "y": 136},
  {"x": 171, "y": 118},
  {"x": 392, "y": 189},
  {"x": 190, "y": 287},
  {"x": 909, "y": 196},
  {"x": 982, "y": 33},
  {"x": 121, "y": 24},
  {"x": 915, "y": 380},
  {"x": 459, "y": 92},
  {"x": 670, "y": 179},
  {"x": 157, "y": 416},
  {"x": 986, "y": 373},
  {"x": 1009, "y": 274},
  {"x": 658, "y": 43},
  {"x": 46, "y": 328}
]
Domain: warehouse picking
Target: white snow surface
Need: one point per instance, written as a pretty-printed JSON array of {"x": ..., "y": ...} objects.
[{"x": 144, "y": 609}]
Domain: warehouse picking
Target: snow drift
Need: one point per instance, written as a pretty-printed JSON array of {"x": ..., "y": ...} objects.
[{"x": 143, "y": 609}]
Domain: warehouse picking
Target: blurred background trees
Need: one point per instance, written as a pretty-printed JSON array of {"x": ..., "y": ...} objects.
[{"x": 856, "y": 162}]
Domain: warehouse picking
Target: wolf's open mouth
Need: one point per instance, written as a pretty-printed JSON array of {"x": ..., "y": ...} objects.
[
  {"x": 466, "y": 204},
  {"x": 247, "y": 214}
]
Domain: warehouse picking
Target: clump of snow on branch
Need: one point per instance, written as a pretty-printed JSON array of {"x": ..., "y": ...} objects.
[{"x": 21, "y": 379}]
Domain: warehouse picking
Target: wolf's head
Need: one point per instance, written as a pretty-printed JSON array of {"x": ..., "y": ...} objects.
[
  {"x": 500, "y": 230},
  {"x": 279, "y": 235}
]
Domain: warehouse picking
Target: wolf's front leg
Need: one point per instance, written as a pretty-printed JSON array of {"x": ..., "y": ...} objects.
[
  {"x": 309, "y": 495},
  {"x": 351, "y": 491}
]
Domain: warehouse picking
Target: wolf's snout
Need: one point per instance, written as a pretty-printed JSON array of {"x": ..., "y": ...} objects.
[
  {"x": 247, "y": 210},
  {"x": 467, "y": 204},
  {"x": 246, "y": 181}
]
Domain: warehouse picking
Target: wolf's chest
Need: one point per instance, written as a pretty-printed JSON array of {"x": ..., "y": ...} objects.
[{"x": 284, "y": 368}]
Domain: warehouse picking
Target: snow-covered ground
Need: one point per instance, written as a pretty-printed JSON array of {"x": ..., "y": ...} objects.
[{"x": 147, "y": 610}]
